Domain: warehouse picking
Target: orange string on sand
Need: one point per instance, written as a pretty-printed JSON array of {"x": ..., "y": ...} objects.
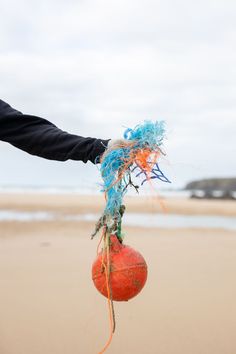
[{"x": 109, "y": 299}]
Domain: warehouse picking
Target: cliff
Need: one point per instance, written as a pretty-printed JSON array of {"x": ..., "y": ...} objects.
[{"x": 213, "y": 184}]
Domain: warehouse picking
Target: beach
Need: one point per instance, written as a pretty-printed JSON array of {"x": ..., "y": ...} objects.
[{"x": 48, "y": 304}]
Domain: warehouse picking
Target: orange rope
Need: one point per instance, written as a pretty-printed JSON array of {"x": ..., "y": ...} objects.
[
  {"x": 109, "y": 300},
  {"x": 158, "y": 197},
  {"x": 142, "y": 160},
  {"x": 101, "y": 238}
]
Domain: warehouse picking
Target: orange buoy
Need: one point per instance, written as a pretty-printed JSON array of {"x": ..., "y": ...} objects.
[{"x": 128, "y": 271}]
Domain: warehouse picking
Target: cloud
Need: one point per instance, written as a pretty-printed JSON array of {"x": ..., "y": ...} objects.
[{"x": 93, "y": 67}]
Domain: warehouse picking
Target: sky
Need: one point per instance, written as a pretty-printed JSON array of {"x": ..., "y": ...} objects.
[{"x": 94, "y": 68}]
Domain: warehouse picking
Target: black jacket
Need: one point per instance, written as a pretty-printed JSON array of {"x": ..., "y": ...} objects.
[{"x": 37, "y": 136}]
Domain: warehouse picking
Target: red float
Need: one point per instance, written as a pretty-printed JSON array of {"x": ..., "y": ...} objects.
[{"x": 128, "y": 271}]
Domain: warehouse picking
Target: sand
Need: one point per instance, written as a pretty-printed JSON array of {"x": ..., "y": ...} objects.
[
  {"x": 94, "y": 204},
  {"x": 48, "y": 304}
]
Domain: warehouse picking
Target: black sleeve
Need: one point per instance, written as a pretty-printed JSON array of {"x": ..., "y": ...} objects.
[{"x": 37, "y": 136}]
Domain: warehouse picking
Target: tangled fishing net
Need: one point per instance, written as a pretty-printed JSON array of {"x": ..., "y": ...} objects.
[
  {"x": 139, "y": 159},
  {"x": 119, "y": 272}
]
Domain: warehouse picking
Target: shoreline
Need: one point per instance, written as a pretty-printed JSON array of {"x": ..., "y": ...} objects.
[{"x": 81, "y": 204}]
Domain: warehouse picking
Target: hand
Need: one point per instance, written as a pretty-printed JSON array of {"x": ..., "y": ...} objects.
[{"x": 114, "y": 144}]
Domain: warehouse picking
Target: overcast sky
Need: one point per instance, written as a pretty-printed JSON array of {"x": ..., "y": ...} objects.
[{"x": 95, "y": 67}]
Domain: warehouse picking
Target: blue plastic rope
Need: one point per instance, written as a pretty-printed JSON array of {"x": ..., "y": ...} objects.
[{"x": 147, "y": 135}]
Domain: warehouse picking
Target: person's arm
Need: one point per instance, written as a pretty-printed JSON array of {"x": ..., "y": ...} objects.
[{"x": 38, "y": 136}]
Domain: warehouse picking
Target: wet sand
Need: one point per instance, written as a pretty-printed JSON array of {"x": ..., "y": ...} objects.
[{"x": 48, "y": 304}]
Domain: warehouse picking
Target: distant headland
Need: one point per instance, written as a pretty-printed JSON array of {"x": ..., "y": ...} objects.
[{"x": 213, "y": 188}]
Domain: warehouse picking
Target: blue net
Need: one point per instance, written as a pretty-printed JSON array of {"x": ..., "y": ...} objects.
[{"x": 118, "y": 165}]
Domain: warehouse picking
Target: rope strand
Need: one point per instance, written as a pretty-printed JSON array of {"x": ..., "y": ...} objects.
[{"x": 106, "y": 266}]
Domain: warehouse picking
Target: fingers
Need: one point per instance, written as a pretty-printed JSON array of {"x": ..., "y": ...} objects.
[
  {"x": 115, "y": 144},
  {"x": 119, "y": 143}
]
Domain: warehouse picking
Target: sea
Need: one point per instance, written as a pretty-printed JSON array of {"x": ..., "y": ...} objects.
[{"x": 157, "y": 220}]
